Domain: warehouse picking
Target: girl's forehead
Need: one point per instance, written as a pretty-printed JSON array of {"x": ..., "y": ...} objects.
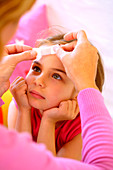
[
  {"x": 50, "y": 60},
  {"x": 45, "y": 50},
  {"x": 47, "y": 55}
]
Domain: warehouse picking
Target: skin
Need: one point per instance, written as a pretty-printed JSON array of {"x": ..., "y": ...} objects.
[
  {"x": 11, "y": 27},
  {"x": 80, "y": 56},
  {"x": 49, "y": 80},
  {"x": 10, "y": 58}
]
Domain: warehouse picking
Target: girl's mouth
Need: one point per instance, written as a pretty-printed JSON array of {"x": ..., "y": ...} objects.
[{"x": 36, "y": 94}]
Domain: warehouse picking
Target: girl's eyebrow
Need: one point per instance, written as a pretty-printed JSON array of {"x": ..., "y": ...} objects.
[
  {"x": 36, "y": 62},
  {"x": 56, "y": 69}
]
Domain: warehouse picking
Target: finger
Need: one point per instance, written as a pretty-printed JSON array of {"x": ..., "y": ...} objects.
[
  {"x": 70, "y": 36},
  {"x": 16, "y": 82},
  {"x": 63, "y": 106},
  {"x": 69, "y": 105},
  {"x": 74, "y": 105},
  {"x": 80, "y": 36},
  {"x": 60, "y": 52},
  {"x": 27, "y": 55},
  {"x": 73, "y": 108},
  {"x": 76, "y": 110},
  {"x": 17, "y": 79},
  {"x": 69, "y": 46},
  {"x": 20, "y": 81},
  {"x": 18, "y": 86},
  {"x": 14, "y": 48}
]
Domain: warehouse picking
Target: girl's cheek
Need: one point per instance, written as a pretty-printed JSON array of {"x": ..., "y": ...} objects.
[{"x": 29, "y": 80}]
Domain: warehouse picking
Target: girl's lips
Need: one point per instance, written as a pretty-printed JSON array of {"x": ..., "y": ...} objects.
[{"x": 36, "y": 95}]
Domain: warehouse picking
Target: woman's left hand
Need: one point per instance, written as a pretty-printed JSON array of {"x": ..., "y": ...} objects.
[{"x": 12, "y": 55}]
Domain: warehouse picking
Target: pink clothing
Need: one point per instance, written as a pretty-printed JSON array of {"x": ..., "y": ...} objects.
[
  {"x": 18, "y": 152},
  {"x": 1, "y": 102},
  {"x": 63, "y": 134}
]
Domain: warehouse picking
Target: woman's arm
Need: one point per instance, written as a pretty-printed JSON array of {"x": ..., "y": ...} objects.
[{"x": 97, "y": 129}]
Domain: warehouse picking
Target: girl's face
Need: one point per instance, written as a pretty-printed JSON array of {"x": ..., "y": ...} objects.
[{"x": 48, "y": 83}]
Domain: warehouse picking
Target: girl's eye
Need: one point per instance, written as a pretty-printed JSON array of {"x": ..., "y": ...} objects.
[
  {"x": 37, "y": 69},
  {"x": 56, "y": 76}
]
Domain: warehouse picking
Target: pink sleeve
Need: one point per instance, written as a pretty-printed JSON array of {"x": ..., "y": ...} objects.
[
  {"x": 17, "y": 151},
  {"x": 97, "y": 129}
]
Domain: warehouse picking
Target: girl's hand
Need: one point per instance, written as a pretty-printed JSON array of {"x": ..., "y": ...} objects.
[
  {"x": 67, "y": 110},
  {"x": 19, "y": 90},
  {"x": 80, "y": 60},
  {"x": 12, "y": 55}
]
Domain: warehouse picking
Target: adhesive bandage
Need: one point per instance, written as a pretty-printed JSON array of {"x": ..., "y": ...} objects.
[{"x": 45, "y": 51}]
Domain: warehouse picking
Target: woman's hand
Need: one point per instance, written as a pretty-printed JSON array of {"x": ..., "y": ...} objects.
[
  {"x": 19, "y": 90},
  {"x": 80, "y": 60},
  {"x": 12, "y": 55},
  {"x": 67, "y": 110}
]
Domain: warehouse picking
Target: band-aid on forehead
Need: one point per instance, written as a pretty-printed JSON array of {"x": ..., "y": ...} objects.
[{"x": 45, "y": 51}]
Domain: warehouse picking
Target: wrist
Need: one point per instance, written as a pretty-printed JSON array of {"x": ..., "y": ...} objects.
[
  {"x": 49, "y": 120},
  {"x": 24, "y": 109},
  {"x": 85, "y": 86}
]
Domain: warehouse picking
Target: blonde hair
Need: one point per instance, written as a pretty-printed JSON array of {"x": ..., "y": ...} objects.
[
  {"x": 11, "y": 11},
  {"x": 58, "y": 39}
]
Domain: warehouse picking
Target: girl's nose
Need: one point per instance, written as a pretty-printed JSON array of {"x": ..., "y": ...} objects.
[{"x": 40, "y": 81}]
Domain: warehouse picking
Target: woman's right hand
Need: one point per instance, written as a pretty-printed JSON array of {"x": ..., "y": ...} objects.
[
  {"x": 80, "y": 60},
  {"x": 12, "y": 55},
  {"x": 18, "y": 89}
]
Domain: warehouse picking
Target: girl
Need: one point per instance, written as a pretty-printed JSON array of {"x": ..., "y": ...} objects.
[{"x": 47, "y": 105}]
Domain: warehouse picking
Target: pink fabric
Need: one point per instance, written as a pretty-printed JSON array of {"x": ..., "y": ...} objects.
[
  {"x": 17, "y": 151},
  {"x": 63, "y": 134},
  {"x": 30, "y": 25},
  {"x": 1, "y": 102}
]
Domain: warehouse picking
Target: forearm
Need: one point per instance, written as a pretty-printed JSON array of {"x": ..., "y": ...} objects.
[
  {"x": 23, "y": 123},
  {"x": 46, "y": 134},
  {"x": 97, "y": 129}
]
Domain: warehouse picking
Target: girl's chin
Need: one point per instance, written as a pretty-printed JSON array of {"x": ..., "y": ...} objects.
[
  {"x": 38, "y": 106},
  {"x": 41, "y": 106}
]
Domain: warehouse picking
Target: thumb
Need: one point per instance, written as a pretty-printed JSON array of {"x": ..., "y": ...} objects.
[
  {"x": 27, "y": 55},
  {"x": 60, "y": 52}
]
